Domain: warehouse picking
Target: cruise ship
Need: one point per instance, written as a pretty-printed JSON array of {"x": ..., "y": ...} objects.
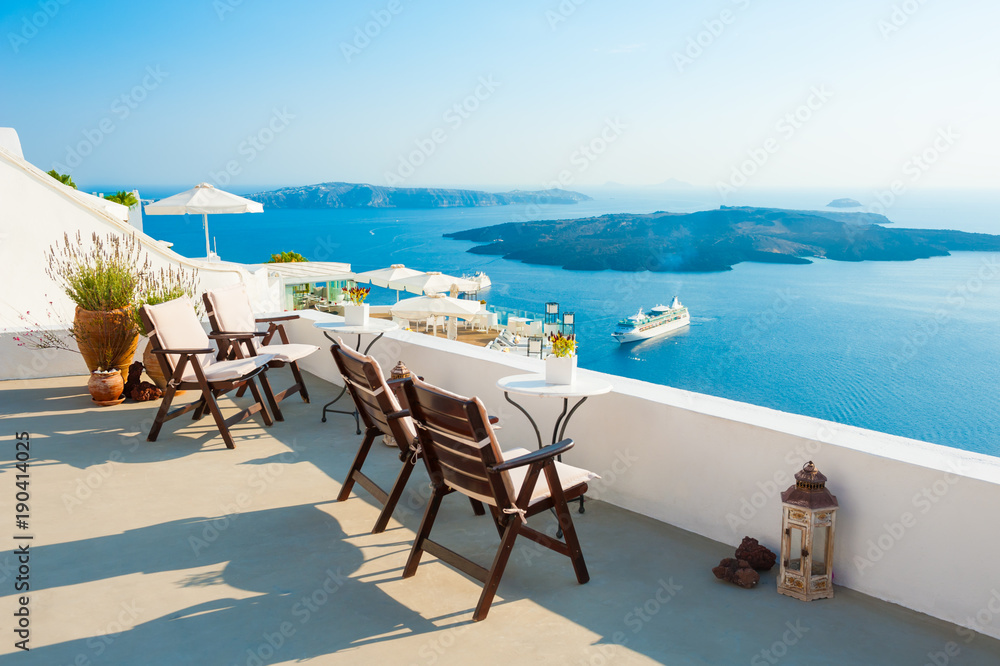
[{"x": 661, "y": 319}]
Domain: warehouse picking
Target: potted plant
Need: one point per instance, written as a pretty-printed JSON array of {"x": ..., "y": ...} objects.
[
  {"x": 356, "y": 312},
  {"x": 106, "y": 382},
  {"x": 560, "y": 365},
  {"x": 166, "y": 285},
  {"x": 103, "y": 279}
]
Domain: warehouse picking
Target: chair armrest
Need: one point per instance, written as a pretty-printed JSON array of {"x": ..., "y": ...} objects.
[
  {"x": 544, "y": 453},
  {"x": 403, "y": 413},
  {"x": 206, "y": 350},
  {"x": 264, "y": 320},
  {"x": 235, "y": 336}
]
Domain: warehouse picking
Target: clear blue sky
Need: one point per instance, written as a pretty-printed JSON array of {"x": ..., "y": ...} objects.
[{"x": 889, "y": 84}]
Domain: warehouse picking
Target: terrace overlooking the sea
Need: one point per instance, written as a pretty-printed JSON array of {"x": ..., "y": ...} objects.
[
  {"x": 184, "y": 551},
  {"x": 180, "y": 549}
]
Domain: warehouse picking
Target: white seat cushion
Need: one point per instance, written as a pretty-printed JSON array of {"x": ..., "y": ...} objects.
[
  {"x": 177, "y": 327},
  {"x": 288, "y": 353},
  {"x": 231, "y": 306},
  {"x": 569, "y": 476},
  {"x": 222, "y": 371}
]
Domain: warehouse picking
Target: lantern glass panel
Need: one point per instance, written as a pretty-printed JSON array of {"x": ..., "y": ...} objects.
[
  {"x": 820, "y": 539},
  {"x": 794, "y": 549}
]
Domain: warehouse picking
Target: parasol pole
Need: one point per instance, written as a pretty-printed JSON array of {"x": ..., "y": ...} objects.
[{"x": 208, "y": 248}]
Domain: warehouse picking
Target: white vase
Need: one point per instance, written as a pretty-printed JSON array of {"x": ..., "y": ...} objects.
[
  {"x": 356, "y": 315},
  {"x": 560, "y": 370}
]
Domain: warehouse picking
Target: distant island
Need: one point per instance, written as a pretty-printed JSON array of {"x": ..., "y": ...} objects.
[
  {"x": 715, "y": 240},
  {"x": 359, "y": 195},
  {"x": 844, "y": 203}
]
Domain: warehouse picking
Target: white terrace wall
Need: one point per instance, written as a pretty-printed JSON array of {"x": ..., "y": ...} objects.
[
  {"x": 915, "y": 520},
  {"x": 35, "y": 212}
]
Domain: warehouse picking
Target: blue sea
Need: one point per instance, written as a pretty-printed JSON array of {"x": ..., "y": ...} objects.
[{"x": 908, "y": 348}]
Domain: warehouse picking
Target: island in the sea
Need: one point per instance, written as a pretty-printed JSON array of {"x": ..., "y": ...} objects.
[
  {"x": 715, "y": 240},
  {"x": 844, "y": 203},
  {"x": 360, "y": 195}
]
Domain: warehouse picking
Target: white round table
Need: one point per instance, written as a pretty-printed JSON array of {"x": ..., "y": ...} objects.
[
  {"x": 534, "y": 385},
  {"x": 377, "y": 327}
]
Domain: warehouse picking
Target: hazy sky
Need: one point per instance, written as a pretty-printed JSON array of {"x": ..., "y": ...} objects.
[{"x": 246, "y": 93}]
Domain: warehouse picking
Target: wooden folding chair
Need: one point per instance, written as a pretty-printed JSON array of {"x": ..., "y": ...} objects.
[
  {"x": 230, "y": 314},
  {"x": 462, "y": 454},
  {"x": 380, "y": 411},
  {"x": 188, "y": 359}
]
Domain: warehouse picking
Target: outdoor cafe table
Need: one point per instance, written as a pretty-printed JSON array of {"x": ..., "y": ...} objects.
[
  {"x": 376, "y": 327},
  {"x": 534, "y": 385}
]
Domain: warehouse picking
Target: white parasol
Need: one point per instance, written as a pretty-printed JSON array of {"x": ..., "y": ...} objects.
[
  {"x": 203, "y": 199},
  {"x": 434, "y": 305},
  {"x": 434, "y": 283}
]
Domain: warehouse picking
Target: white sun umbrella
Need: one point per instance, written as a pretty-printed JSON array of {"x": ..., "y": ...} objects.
[
  {"x": 435, "y": 305},
  {"x": 382, "y": 277},
  {"x": 434, "y": 283},
  {"x": 203, "y": 199}
]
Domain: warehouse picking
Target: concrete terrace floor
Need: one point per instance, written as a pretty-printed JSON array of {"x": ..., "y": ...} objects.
[{"x": 182, "y": 551}]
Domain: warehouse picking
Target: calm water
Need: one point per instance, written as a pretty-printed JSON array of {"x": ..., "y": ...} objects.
[{"x": 909, "y": 348}]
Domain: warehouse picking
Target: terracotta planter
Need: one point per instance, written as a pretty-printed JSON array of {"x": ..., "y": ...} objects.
[
  {"x": 98, "y": 330},
  {"x": 106, "y": 387},
  {"x": 151, "y": 364}
]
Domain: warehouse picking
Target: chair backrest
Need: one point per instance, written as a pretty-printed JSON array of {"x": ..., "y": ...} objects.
[
  {"x": 175, "y": 325},
  {"x": 458, "y": 443},
  {"x": 372, "y": 396},
  {"x": 229, "y": 309}
]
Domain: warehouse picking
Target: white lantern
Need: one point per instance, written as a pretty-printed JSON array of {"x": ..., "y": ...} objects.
[{"x": 808, "y": 522}]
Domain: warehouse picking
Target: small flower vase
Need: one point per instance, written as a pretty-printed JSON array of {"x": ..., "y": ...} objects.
[
  {"x": 106, "y": 387},
  {"x": 356, "y": 315},
  {"x": 560, "y": 370}
]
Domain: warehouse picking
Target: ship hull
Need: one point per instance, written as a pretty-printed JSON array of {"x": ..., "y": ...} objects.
[{"x": 636, "y": 335}]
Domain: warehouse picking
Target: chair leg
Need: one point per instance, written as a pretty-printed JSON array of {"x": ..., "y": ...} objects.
[
  {"x": 266, "y": 385},
  {"x": 213, "y": 407},
  {"x": 496, "y": 571},
  {"x": 390, "y": 504},
  {"x": 199, "y": 411},
  {"x": 425, "y": 529},
  {"x": 359, "y": 460},
  {"x": 241, "y": 391},
  {"x": 168, "y": 397},
  {"x": 566, "y": 524},
  {"x": 260, "y": 401},
  {"x": 297, "y": 374},
  {"x": 477, "y": 507}
]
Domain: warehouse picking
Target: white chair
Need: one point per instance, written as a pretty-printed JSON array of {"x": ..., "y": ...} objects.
[
  {"x": 434, "y": 322},
  {"x": 187, "y": 357},
  {"x": 230, "y": 313}
]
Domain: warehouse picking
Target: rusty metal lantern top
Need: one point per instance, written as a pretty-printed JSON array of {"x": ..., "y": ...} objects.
[
  {"x": 399, "y": 372},
  {"x": 810, "y": 490}
]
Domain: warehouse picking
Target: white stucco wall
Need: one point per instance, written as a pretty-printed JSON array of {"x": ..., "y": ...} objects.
[
  {"x": 910, "y": 524},
  {"x": 35, "y": 212}
]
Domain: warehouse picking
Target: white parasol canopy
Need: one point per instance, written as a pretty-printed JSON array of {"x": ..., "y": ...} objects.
[
  {"x": 383, "y": 276},
  {"x": 434, "y": 305},
  {"x": 204, "y": 199},
  {"x": 434, "y": 283}
]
